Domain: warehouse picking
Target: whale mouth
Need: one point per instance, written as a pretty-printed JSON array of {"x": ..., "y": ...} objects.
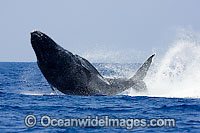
[
  {"x": 39, "y": 39},
  {"x": 43, "y": 45},
  {"x": 38, "y": 43},
  {"x": 36, "y": 35},
  {"x": 36, "y": 32}
]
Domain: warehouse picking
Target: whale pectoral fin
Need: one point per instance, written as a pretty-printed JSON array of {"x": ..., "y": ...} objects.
[
  {"x": 140, "y": 86},
  {"x": 90, "y": 68},
  {"x": 54, "y": 91},
  {"x": 142, "y": 71},
  {"x": 88, "y": 73},
  {"x": 136, "y": 82},
  {"x": 87, "y": 65}
]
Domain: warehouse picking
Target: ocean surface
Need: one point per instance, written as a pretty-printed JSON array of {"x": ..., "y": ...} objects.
[{"x": 24, "y": 91}]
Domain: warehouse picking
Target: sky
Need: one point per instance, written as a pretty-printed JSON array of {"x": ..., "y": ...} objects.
[{"x": 99, "y": 30}]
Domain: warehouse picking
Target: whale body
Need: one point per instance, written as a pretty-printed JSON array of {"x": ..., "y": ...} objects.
[{"x": 74, "y": 75}]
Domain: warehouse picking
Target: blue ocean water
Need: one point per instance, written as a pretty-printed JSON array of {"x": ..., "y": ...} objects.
[{"x": 24, "y": 91}]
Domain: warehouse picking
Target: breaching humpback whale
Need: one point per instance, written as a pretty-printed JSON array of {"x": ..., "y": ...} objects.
[{"x": 74, "y": 75}]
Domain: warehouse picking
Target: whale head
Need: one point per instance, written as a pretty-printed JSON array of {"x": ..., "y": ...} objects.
[
  {"x": 61, "y": 68},
  {"x": 47, "y": 51}
]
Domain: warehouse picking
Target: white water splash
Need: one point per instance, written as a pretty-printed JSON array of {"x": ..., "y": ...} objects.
[
  {"x": 177, "y": 74},
  {"x": 32, "y": 93}
]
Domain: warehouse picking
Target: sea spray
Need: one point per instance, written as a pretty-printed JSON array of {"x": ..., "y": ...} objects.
[{"x": 177, "y": 74}]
